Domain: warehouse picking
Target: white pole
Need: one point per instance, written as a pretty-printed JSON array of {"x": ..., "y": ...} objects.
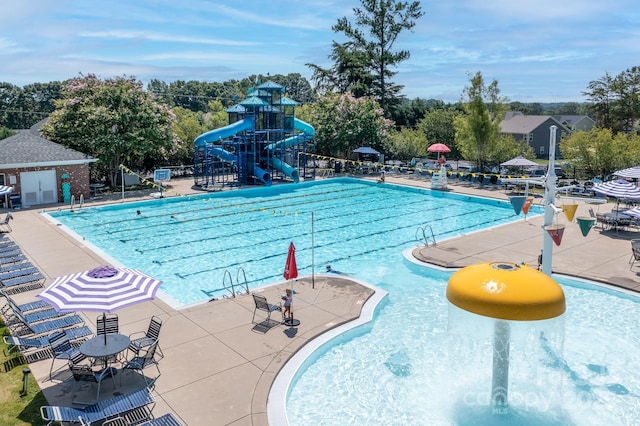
[
  {"x": 549, "y": 198},
  {"x": 122, "y": 173},
  {"x": 313, "y": 245}
]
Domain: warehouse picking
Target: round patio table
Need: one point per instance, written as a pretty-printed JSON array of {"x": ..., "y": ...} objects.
[{"x": 97, "y": 348}]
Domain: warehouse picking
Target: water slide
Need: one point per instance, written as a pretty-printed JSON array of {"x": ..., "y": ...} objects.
[
  {"x": 280, "y": 165},
  {"x": 247, "y": 124},
  {"x": 228, "y": 131}
]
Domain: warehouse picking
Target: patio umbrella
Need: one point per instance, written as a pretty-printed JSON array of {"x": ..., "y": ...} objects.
[
  {"x": 4, "y": 191},
  {"x": 630, "y": 173},
  {"x": 103, "y": 289},
  {"x": 438, "y": 147},
  {"x": 619, "y": 189},
  {"x": 519, "y": 161},
  {"x": 634, "y": 212},
  {"x": 291, "y": 272},
  {"x": 366, "y": 150}
]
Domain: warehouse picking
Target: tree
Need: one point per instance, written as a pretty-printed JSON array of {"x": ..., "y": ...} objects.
[
  {"x": 437, "y": 126},
  {"x": 363, "y": 64},
  {"x": 600, "y": 152},
  {"x": 344, "y": 123},
  {"x": 114, "y": 120},
  {"x": 478, "y": 129},
  {"x": 406, "y": 144}
]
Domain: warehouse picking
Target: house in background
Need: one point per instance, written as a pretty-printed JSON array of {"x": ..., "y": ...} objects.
[
  {"x": 535, "y": 130},
  {"x": 41, "y": 171},
  {"x": 576, "y": 122}
]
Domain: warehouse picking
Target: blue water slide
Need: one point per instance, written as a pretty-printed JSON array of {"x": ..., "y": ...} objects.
[
  {"x": 280, "y": 165},
  {"x": 224, "y": 132},
  {"x": 261, "y": 175},
  {"x": 224, "y": 154}
]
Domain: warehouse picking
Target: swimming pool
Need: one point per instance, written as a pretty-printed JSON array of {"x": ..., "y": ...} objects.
[
  {"x": 406, "y": 367},
  {"x": 189, "y": 243}
]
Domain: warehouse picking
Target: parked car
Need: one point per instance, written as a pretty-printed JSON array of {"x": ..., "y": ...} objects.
[
  {"x": 537, "y": 173},
  {"x": 561, "y": 173}
]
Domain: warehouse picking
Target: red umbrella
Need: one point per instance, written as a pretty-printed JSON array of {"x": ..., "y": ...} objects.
[
  {"x": 438, "y": 147},
  {"x": 291, "y": 272},
  {"x": 290, "y": 268}
]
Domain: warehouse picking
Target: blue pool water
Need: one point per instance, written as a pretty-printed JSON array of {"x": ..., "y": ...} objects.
[
  {"x": 413, "y": 365},
  {"x": 190, "y": 242}
]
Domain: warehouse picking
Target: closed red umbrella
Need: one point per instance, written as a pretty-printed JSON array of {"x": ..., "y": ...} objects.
[
  {"x": 290, "y": 268},
  {"x": 291, "y": 272}
]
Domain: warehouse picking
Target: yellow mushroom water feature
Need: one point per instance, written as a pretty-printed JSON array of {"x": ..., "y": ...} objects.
[{"x": 506, "y": 292}]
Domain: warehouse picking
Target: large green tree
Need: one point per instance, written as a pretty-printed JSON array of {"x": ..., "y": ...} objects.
[
  {"x": 114, "y": 120},
  {"x": 438, "y": 127},
  {"x": 600, "y": 151},
  {"x": 478, "y": 129},
  {"x": 344, "y": 123},
  {"x": 615, "y": 100},
  {"x": 363, "y": 65}
]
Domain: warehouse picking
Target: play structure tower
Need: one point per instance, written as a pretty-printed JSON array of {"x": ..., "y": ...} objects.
[{"x": 263, "y": 142}]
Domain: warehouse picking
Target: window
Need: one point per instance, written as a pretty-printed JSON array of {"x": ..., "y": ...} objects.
[
  {"x": 2, "y": 180},
  {"x": 541, "y": 150}
]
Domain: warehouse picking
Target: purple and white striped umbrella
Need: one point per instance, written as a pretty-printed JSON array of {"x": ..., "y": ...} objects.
[
  {"x": 102, "y": 289},
  {"x": 634, "y": 212},
  {"x": 630, "y": 173},
  {"x": 618, "y": 189}
]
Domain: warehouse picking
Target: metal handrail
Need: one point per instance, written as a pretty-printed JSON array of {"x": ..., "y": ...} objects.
[
  {"x": 246, "y": 286},
  {"x": 423, "y": 230},
  {"x": 230, "y": 289}
]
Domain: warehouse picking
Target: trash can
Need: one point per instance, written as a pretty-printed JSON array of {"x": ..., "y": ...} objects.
[{"x": 338, "y": 167}]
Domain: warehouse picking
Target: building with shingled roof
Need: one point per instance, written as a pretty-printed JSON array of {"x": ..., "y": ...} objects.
[{"x": 42, "y": 171}]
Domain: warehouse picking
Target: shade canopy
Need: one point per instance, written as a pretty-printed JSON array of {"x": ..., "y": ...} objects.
[
  {"x": 366, "y": 150},
  {"x": 519, "y": 161},
  {"x": 630, "y": 173},
  {"x": 438, "y": 147},
  {"x": 102, "y": 289},
  {"x": 618, "y": 189}
]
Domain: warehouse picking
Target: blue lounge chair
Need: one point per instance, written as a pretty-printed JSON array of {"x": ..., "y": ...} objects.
[
  {"x": 103, "y": 410},
  {"x": 28, "y": 306},
  {"x": 24, "y": 328},
  {"x": 164, "y": 420},
  {"x": 18, "y": 273},
  {"x": 23, "y": 283},
  {"x": 29, "y": 317},
  {"x": 13, "y": 259},
  {"x": 9, "y": 253},
  {"x": 15, "y": 266}
]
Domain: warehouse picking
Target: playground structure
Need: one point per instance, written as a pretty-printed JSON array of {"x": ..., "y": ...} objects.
[{"x": 263, "y": 143}]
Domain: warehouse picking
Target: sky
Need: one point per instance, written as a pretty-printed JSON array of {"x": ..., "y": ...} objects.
[{"x": 537, "y": 50}]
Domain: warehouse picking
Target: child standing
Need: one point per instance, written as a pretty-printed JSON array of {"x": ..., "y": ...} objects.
[{"x": 287, "y": 298}]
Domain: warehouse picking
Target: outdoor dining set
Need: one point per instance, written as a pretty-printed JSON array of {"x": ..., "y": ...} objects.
[{"x": 50, "y": 327}]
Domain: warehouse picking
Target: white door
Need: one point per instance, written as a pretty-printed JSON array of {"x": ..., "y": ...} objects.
[{"x": 39, "y": 187}]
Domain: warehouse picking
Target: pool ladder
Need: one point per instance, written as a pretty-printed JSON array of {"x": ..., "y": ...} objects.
[
  {"x": 231, "y": 287},
  {"x": 80, "y": 201},
  {"x": 425, "y": 234}
]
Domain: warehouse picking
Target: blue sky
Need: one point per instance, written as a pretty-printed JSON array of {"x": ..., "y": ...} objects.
[{"x": 539, "y": 51}]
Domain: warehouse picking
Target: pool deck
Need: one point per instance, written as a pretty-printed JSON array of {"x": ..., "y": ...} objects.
[{"x": 218, "y": 366}]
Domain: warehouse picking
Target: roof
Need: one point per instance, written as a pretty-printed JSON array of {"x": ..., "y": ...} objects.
[
  {"x": 524, "y": 124},
  {"x": 270, "y": 85},
  {"x": 572, "y": 119},
  {"x": 253, "y": 101},
  {"x": 237, "y": 108},
  {"x": 27, "y": 148},
  {"x": 285, "y": 101}
]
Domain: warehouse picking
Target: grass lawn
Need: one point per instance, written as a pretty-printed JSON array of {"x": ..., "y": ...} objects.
[{"x": 15, "y": 409}]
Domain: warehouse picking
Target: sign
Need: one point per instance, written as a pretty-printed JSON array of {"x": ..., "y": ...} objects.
[{"x": 161, "y": 175}]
